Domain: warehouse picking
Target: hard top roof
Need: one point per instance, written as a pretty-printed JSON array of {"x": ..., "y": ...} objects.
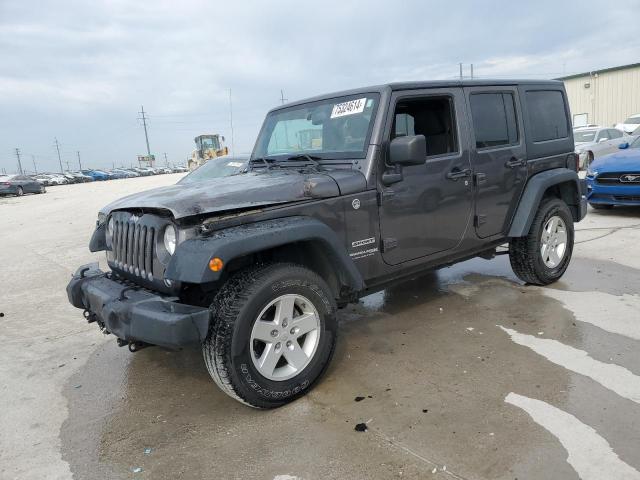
[{"x": 417, "y": 85}]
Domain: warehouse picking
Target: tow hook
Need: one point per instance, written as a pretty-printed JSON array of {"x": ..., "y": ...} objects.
[
  {"x": 89, "y": 317},
  {"x": 133, "y": 346}
]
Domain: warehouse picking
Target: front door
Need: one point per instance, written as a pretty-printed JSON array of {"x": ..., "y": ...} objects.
[
  {"x": 428, "y": 210},
  {"x": 498, "y": 156}
]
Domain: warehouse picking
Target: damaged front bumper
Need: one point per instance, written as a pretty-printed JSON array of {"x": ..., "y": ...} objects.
[{"x": 134, "y": 314}]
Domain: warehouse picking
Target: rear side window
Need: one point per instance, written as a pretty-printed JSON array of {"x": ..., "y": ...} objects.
[
  {"x": 494, "y": 119},
  {"x": 547, "y": 115}
]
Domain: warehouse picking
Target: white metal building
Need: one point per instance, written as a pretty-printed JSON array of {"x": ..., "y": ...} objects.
[{"x": 607, "y": 96}]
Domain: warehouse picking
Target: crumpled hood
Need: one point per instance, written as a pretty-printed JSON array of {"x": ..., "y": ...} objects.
[
  {"x": 622, "y": 161},
  {"x": 250, "y": 190}
]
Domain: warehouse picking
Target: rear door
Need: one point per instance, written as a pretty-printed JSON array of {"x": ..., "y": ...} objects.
[{"x": 498, "y": 156}]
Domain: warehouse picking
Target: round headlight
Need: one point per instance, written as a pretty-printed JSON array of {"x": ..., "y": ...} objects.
[{"x": 170, "y": 239}]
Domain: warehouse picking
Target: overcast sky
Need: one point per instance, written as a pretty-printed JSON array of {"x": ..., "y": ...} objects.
[{"x": 80, "y": 70}]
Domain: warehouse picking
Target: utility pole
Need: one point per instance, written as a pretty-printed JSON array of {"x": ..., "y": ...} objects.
[
  {"x": 166, "y": 160},
  {"x": 472, "y": 71},
  {"x": 79, "y": 162},
  {"x": 282, "y": 99},
  {"x": 67, "y": 162},
  {"x": 33, "y": 159},
  {"x": 19, "y": 162},
  {"x": 59, "y": 159},
  {"x": 460, "y": 71},
  {"x": 233, "y": 150},
  {"x": 144, "y": 124}
]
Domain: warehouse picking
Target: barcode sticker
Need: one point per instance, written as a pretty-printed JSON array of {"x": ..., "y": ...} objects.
[{"x": 348, "y": 108}]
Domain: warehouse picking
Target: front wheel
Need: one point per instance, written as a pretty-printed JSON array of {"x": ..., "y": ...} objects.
[
  {"x": 543, "y": 255},
  {"x": 272, "y": 335}
]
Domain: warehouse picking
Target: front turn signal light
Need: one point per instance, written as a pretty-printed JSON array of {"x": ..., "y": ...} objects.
[{"x": 215, "y": 264}]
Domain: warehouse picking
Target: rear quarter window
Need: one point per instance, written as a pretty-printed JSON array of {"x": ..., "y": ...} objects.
[{"x": 547, "y": 115}]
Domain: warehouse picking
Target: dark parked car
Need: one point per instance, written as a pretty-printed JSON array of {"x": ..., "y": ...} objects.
[
  {"x": 337, "y": 204},
  {"x": 19, "y": 185},
  {"x": 218, "y": 167}
]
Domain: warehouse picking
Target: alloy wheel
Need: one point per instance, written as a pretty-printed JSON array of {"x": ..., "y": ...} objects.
[
  {"x": 285, "y": 337},
  {"x": 553, "y": 244}
]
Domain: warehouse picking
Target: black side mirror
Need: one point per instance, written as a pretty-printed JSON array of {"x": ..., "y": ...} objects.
[{"x": 410, "y": 150}]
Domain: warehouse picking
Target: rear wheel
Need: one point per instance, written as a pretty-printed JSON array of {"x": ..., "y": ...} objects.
[
  {"x": 543, "y": 255},
  {"x": 20, "y": 192},
  {"x": 272, "y": 334}
]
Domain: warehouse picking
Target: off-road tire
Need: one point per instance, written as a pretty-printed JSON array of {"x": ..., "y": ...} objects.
[
  {"x": 234, "y": 310},
  {"x": 524, "y": 252},
  {"x": 600, "y": 206},
  {"x": 20, "y": 192}
]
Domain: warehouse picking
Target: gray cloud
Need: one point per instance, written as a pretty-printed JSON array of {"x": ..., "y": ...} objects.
[{"x": 80, "y": 70}]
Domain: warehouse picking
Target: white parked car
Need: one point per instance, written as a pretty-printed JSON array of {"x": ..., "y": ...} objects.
[
  {"x": 57, "y": 179},
  {"x": 630, "y": 124},
  {"x": 594, "y": 142}
]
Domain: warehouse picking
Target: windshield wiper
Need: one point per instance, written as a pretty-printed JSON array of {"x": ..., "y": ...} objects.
[
  {"x": 313, "y": 159},
  {"x": 267, "y": 161}
]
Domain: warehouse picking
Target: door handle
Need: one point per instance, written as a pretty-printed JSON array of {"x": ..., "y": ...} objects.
[
  {"x": 456, "y": 173},
  {"x": 515, "y": 162}
]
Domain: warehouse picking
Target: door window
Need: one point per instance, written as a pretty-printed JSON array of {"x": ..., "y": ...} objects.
[
  {"x": 603, "y": 135},
  {"x": 494, "y": 119},
  {"x": 432, "y": 117}
]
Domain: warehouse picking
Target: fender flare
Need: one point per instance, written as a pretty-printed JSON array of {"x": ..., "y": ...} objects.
[
  {"x": 191, "y": 259},
  {"x": 535, "y": 190}
]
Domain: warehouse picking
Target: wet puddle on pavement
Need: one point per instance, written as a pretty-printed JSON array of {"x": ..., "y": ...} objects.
[{"x": 428, "y": 358}]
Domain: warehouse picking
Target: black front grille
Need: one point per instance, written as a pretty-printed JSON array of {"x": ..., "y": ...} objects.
[
  {"x": 627, "y": 198},
  {"x": 134, "y": 247},
  {"x": 133, "y": 251},
  {"x": 615, "y": 178}
]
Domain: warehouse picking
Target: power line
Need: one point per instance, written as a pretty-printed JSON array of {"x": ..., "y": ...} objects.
[
  {"x": 59, "y": 159},
  {"x": 19, "y": 162},
  {"x": 144, "y": 124}
]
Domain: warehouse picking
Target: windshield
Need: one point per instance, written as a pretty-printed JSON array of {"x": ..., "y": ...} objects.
[
  {"x": 584, "y": 136},
  {"x": 632, "y": 120},
  {"x": 216, "y": 168},
  {"x": 636, "y": 143},
  {"x": 332, "y": 128}
]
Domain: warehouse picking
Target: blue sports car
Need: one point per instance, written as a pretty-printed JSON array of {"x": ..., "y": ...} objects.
[{"x": 615, "y": 179}]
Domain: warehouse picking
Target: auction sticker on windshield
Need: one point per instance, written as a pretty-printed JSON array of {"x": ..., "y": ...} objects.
[{"x": 348, "y": 108}]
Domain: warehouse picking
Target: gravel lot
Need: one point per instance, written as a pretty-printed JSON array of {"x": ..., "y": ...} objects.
[{"x": 465, "y": 372}]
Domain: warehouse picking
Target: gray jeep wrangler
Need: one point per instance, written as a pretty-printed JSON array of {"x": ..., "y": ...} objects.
[{"x": 345, "y": 194}]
